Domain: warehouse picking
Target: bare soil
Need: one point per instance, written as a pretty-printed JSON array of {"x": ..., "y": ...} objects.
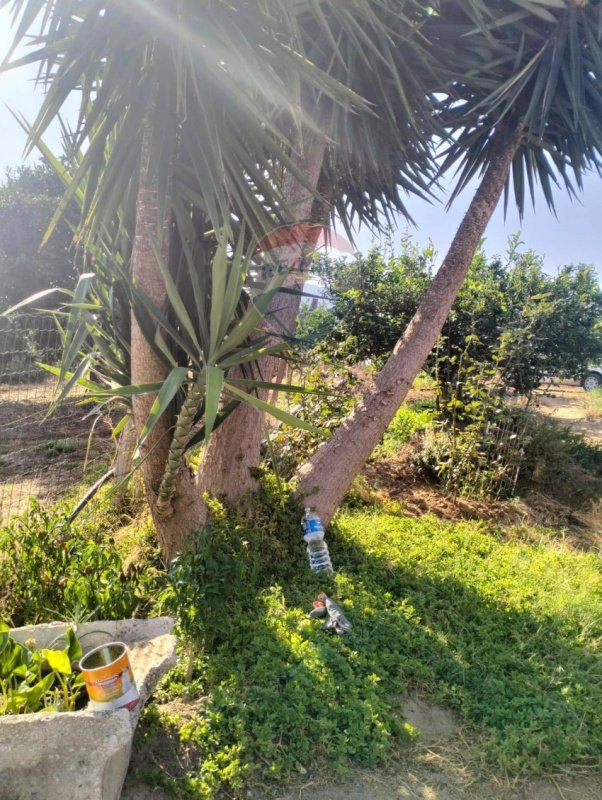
[
  {"x": 568, "y": 404},
  {"x": 43, "y": 456},
  {"x": 396, "y": 480}
]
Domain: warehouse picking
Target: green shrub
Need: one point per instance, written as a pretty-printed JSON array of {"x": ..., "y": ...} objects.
[
  {"x": 586, "y": 455},
  {"x": 50, "y": 569},
  {"x": 331, "y": 399},
  {"x": 510, "y": 451}
]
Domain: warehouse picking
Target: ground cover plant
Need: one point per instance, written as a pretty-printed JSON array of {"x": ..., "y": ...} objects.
[
  {"x": 410, "y": 419},
  {"x": 505, "y": 630}
]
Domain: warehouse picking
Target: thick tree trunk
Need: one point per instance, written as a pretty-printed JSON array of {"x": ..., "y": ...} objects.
[
  {"x": 233, "y": 453},
  {"x": 327, "y": 476},
  {"x": 186, "y": 511}
]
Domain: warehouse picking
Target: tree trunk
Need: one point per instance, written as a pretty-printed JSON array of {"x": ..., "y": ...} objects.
[
  {"x": 124, "y": 462},
  {"x": 186, "y": 509},
  {"x": 233, "y": 453},
  {"x": 327, "y": 476}
]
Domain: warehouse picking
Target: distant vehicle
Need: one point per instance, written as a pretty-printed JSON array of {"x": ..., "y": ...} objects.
[{"x": 593, "y": 378}]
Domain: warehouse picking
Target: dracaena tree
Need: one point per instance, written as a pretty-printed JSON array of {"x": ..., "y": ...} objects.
[
  {"x": 523, "y": 107},
  {"x": 209, "y": 108},
  {"x": 193, "y": 131}
]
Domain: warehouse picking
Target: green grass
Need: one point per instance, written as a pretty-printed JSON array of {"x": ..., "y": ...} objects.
[
  {"x": 506, "y": 632},
  {"x": 408, "y": 420},
  {"x": 57, "y": 446}
]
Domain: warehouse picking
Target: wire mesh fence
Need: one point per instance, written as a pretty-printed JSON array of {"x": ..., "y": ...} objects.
[{"x": 42, "y": 456}]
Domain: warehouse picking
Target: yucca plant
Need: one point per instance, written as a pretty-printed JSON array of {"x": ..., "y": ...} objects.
[
  {"x": 209, "y": 103},
  {"x": 200, "y": 110},
  {"x": 523, "y": 105}
]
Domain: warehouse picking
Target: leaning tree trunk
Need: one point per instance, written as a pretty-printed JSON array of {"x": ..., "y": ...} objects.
[
  {"x": 174, "y": 522},
  {"x": 228, "y": 468},
  {"x": 327, "y": 476}
]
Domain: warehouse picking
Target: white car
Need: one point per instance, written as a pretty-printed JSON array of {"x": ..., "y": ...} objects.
[{"x": 592, "y": 379}]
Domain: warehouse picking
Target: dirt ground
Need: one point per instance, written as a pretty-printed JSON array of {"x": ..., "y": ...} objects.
[
  {"x": 43, "y": 456},
  {"x": 443, "y": 765},
  {"x": 397, "y": 480},
  {"x": 568, "y": 404}
]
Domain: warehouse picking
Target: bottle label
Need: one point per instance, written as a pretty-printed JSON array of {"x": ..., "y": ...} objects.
[{"x": 314, "y": 525}]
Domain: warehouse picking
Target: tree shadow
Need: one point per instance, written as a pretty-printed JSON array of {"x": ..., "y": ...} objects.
[{"x": 284, "y": 692}]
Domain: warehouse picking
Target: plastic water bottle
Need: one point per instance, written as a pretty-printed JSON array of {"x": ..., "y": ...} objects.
[{"x": 317, "y": 549}]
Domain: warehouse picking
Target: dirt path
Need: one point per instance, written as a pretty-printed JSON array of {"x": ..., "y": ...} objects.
[
  {"x": 567, "y": 403},
  {"x": 444, "y": 765},
  {"x": 43, "y": 456}
]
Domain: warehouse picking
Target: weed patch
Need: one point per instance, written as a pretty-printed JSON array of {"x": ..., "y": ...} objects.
[
  {"x": 505, "y": 632},
  {"x": 50, "y": 569},
  {"x": 410, "y": 419}
]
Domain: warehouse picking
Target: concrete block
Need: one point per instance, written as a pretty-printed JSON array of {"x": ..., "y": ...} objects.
[{"x": 82, "y": 754}]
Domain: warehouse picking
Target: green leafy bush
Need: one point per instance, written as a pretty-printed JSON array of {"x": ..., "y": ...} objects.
[
  {"x": 38, "y": 680},
  {"x": 372, "y": 299},
  {"x": 503, "y": 450},
  {"x": 331, "y": 398},
  {"x": 49, "y": 568},
  {"x": 526, "y": 324}
]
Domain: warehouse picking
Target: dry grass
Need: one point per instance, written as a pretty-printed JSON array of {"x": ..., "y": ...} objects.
[{"x": 592, "y": 403}]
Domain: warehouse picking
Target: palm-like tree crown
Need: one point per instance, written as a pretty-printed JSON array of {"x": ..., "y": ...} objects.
[{"x": 537, "y": 64}]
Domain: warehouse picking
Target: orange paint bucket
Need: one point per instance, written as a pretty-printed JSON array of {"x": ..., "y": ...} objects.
[{"x": 109, "y": 678}]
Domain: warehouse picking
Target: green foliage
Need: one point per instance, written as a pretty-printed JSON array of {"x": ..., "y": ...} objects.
[
  {"x": 26, "y": 340},
  {"x": 559, "y": 461},
  {"x": 523, "y": 323},
  {"x": 552, "y": 323},
  {"x": 58, "y": 446},
  {"x": 483, "y": 447},
  {"x": 328, "y": 397},
  {"x": 202, "y": 580},
  {"x": 49, "y": 568},
  {"x": 372, "y": 299},
  {"x": 38, "y": 680},
  {"x": 28, "y": 198},
  {"x": 477, "y": 446},
  {"x": 505, "y": 632},
  {"x": 520, "y": 321},
  {"x": 408, "y": 420}
]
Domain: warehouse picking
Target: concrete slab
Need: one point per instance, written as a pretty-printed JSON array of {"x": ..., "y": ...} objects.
[{"x": 83, "y": 753}]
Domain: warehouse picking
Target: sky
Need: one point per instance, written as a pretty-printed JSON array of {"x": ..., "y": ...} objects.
[{"x": 574, "y": 235}]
